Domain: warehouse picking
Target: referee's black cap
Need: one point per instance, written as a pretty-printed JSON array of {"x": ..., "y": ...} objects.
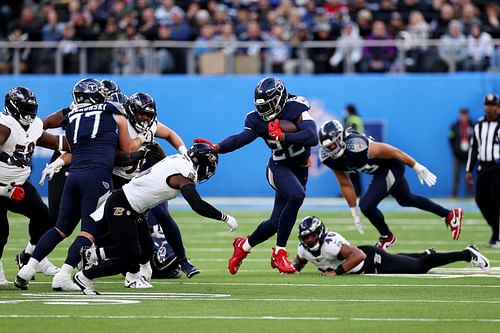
[{"x": 491, "y": 99}]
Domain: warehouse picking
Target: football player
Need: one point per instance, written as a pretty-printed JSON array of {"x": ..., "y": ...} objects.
[
  {"x": 96, "y": 130},
  {"x": 287, "y": 169},
  {"x": 345, "y": 150},
  {"x": 332, "y": 254},
  {"x": 162, "y": 182},
  {"x": 20, "y": 131}
]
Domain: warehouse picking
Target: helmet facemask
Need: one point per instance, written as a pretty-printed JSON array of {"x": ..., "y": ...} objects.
[
  {"x": 332, "y": 138},
  {"x": 312, "y": 232},
  {"x": 269, "y": 98},
  {"x": 21, "y": 104}
]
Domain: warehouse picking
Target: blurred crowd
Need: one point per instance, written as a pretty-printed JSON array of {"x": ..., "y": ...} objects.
[{"x": 465, "y": 30}]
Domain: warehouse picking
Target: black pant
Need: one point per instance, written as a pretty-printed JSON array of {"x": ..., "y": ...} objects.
[
  {"x": 32, "y": 207},
  {"x": 380, "y": 262},
  {"x": 488, "y": 197}
]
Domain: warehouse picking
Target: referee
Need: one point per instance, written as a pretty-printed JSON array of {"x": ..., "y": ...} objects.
[{"x": 485, "y": 149}]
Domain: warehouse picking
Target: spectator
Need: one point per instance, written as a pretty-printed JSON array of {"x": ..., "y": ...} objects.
[
  {"x": 439, "y": 26},
  {"x": 69, "y": 50},
  {"x": 299, "y": 61},
  {"x": 479, "y": 49},
  {"x": 165, "y": 55},
  {"x": 378, "y": 59},
  {"x": 278, "y": 51},
  {"x": 453, "y": 48},
  {"x": 321, "y": 55},
  {"x": 396, "y": 25},
  {"x": 422, "y": 57},
  {"x": 348, "y": 53},
  {"x": 206, "y": 41},
  {"x": 130, "y": 60},
  {"x": 469, "y": 18},
  {"x": 102, "y": 56},
  {"x": 364, "y": 21},
  {"x": 253, "y": 34},
  {"x": 228, "y": 38},
  {"x": 460, "y": 133},
  {"x": 164, "y": 12},
  {"x": 148, "y": 26}
]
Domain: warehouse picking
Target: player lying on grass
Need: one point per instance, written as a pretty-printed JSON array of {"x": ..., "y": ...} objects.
[{"x": 332, "y": 254}]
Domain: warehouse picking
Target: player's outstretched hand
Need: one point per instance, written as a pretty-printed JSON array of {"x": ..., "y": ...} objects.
[
  {"x": 424, "y": 175},
  {"x": 356, "y": 215},
  {"x": 51, "y": 169},
  {"x": 214, "y": 146},
  {"x": 230, "y": 222}
]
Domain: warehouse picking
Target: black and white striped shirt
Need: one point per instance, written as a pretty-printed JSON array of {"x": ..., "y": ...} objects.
[{"x": 484, "y": 143}]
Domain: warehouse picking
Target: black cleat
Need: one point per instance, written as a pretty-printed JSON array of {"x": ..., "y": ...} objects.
[
  {"x": 21, "y": 283},
  {"x": 189, "y": 269}
]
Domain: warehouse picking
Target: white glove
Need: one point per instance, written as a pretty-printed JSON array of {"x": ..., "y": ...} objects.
[
  {"x": 183, "y": 150},
  {"x": 357, "y": 219},
  {"x": 51, "y": 169},
  {"x": 230, "y": 222},
  {"x": 424, "y": 175}
]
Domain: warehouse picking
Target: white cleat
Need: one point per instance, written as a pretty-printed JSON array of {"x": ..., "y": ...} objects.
[
  {"x": 3, "y": 279},
  {"x": 146, "y": 271},
  {"x": 46, "y": 267},
  {"x": 24, "y": 276},
  {"x": 478, "y": 259},
  {"x": 85, "y": 284},
  {"x": 136, "y": 280},
  {"x": 63, "y": 282}
]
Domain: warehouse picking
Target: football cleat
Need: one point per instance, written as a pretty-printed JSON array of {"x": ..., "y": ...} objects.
[
  {"x": 146, "y": 271},
  {"x": 385, "y": 241},
  {"x": 22, "y": 259},
  {"x": 137, "y": 281},
  {"x": 46, "y": 267},
  {"x": 189, "y": 269},
  {"x": 238, "y": 255},
  {"x": 280, "y": 261},
  {"x": 3, "y": 279},
  {"x": 64, "y": 282},
  {"x": 478, "y": 259},
  {"x": 494, "y": 244},
  {"x": 85, "y": 284},
  {"x": 430, "y": 250},
  {"x": 89, "y": 256},
  {"x": 24, "y": 276},
  {"x": 454, "y": 221}
]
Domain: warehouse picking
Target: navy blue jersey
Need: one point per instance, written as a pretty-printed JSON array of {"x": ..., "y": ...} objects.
[
  {"x": 355, "y": 157},
  {"x": 93, "y": 135},
  {"x": 296, "y": 147}
]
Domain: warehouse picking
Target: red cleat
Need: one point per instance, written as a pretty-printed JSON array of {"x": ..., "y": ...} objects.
[
  {"x": 385, "y": 241},
  {"x": 281, "y": 262},
  {"x": 454, "y": 221},
  {"x": 238, "y": 255}
]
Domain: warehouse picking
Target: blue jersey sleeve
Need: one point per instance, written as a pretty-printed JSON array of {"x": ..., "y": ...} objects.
[{"x": 307, "y": 135}]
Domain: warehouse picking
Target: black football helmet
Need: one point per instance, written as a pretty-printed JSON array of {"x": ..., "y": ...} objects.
[
  {"x": 308, "y": 226},
  {"x": 332, "y": 138},
  {"x": 109, "y": 87},
  {"x": 270, "y": 97},
  {"x": 205, "y": 160},
  {"x": 21, "y": 103},
  {"x": 88, "y": 91},
  {"x": 141, "y": 111}
]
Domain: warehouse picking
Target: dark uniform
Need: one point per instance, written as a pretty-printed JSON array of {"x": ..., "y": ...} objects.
[
  {"x": 485, "y": 149},
  {"x": 287, "y": 169},
  {"x": 388, "y": 179}
]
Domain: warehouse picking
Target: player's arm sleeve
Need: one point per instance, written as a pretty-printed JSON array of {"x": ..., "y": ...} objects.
[
  {"x": 472, "y": 155},
  {"x": 237, "y": 141},
  {"x": 198, "y": 205},
  {"x": 307, "y": 135}
]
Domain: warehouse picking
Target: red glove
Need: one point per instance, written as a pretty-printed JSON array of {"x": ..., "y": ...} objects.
[
  {"x": 17, "y": 192},
  {"x": 215, "y": 147},
  {"x": 275, "y": 131}
]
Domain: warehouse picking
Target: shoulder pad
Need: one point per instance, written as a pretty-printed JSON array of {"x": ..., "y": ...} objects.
[
  {"x": 299, "y": 99},
  {"x": 117, "y": 108},
  {"x": 356, "y": 143}
]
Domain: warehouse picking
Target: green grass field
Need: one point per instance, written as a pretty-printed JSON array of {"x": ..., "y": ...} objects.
[{"x": 455, "y": 298}]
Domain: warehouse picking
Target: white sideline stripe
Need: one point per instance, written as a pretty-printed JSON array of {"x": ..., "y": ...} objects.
[{"x": 484, "y": 320}]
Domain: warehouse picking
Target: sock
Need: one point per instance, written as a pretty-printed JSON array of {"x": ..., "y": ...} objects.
[
  {"x": 246, "y": 246},
  {"x": 66, "y": 269},
  {"x": 46, "y": 244},
  {"x": 29, "y": 248},
  {"x": 277, "y": 248},
  {"x": 73, "y": 257},
  {"x": 32, "y": 263}
]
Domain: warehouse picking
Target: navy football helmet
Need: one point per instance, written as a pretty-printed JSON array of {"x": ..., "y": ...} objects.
[
  {"x": 312, "y": 225},
  {"x": 270, "y": 97},
  {"x": 21, "y": 103},
  {"x": 332, "y": 138},
  {"x": 109, "y": 87},
  {"x": 141, "y": 111},
  {"x": 88, "y": 91},
  {"x": 205, "y": 160}
]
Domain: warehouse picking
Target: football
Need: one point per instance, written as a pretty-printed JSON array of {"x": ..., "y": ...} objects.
[{"x": 287, "y": 126}]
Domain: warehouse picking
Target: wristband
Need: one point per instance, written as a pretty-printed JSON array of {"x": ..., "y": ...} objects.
[
  {"x": 339, "y": 270},
  {"x": 60, "y": 148}
]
